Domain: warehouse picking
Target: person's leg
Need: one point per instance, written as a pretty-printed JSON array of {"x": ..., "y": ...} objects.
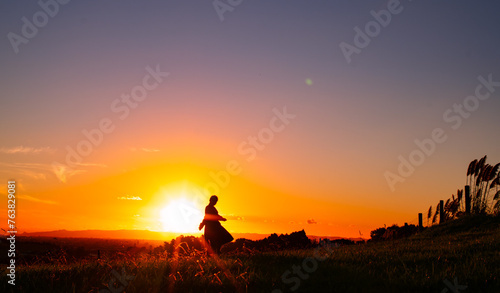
[
  {"x": 213, "y": 246},
  {"x": 217, "y": 248}
]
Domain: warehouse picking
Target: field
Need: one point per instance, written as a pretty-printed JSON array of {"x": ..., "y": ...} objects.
[{"x": 460, "y": 256}]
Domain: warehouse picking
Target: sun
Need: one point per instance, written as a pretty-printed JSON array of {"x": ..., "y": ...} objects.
[{"x": 181, "y": 216}]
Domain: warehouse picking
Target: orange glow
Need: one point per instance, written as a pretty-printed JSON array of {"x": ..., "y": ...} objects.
[
  {"x": 167, "y": 190},
  {"x": 172, "y": 197}
]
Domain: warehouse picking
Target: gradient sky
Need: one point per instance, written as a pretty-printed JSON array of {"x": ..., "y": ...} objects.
[{"x": 324, "y": 171}]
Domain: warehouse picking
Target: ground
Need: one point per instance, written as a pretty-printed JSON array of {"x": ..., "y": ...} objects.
[{"x": 460, "y": 256}]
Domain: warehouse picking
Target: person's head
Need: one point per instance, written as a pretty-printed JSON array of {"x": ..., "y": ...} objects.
[{"x": 213, "y": 199}]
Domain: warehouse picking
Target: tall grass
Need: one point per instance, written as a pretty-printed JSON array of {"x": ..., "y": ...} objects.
[{"x": 484, "y": 182}]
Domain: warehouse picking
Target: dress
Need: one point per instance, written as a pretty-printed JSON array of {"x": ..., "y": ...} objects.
[{"x": 215, "y": 234}]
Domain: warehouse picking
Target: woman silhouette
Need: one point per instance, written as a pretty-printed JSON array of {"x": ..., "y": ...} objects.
[{"x": 215, "y": 234}]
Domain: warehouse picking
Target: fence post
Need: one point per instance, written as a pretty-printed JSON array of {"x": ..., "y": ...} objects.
[
  {"x": 420, "y": 226},
  {"x": 467, "y": 199},
  {"x": 441, "y": 211}
]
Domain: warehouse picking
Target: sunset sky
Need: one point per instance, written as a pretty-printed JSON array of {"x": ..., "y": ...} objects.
[{"x": 129, "y": 114}]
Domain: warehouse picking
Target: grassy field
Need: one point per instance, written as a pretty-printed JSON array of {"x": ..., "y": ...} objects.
[{"x": 461, "y": 256}]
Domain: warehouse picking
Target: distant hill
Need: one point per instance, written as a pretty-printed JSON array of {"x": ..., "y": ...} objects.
[
  {"x": 106, "y": 234},
  {"x": 356, "y": 239},
  {"x": 150, "y": 235}
]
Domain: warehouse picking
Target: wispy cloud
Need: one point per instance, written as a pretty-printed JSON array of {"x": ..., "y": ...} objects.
[
  {"x": 91, "y": 165},
  {"x": 129, "y": 198},
  {"x": 311, "y": 221},
  {"x": 63, "y": 172},
  {"x": 39, "y": 170},
  {"x": 233, "y": 217},
  {"x": 26, "y": 150},
  {"x": 26, "y": 166},
  {"x": 147, "y": 150},
  {"x": 34, "y": 170},
  {"x": 35, "y": 175},
  {"x": 150, "y": 150},
  {"x": 30, "y": 198}
]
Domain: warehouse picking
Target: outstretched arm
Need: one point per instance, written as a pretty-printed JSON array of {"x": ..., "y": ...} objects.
[
  {"x": 210, "y": 217},
  {"x": 211, "y": 214}
]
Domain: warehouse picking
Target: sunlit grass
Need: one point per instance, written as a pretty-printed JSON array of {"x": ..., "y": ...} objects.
[{"x": 417, "y": 264}]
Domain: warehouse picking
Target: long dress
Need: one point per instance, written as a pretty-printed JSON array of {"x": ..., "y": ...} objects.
[{"x": 215, "y": 234}]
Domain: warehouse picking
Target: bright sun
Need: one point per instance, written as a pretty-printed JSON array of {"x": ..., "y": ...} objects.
[{"x": 181, "y": 216}]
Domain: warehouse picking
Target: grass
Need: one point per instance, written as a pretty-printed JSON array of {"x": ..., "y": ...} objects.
[{"x": 467, "y": 249}]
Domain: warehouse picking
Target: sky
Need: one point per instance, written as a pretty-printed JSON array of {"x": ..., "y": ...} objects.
[{"x": 336, "y": 117}]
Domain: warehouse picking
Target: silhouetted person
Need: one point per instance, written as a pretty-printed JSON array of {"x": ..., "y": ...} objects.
[{"x": 215, "y": 234}]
